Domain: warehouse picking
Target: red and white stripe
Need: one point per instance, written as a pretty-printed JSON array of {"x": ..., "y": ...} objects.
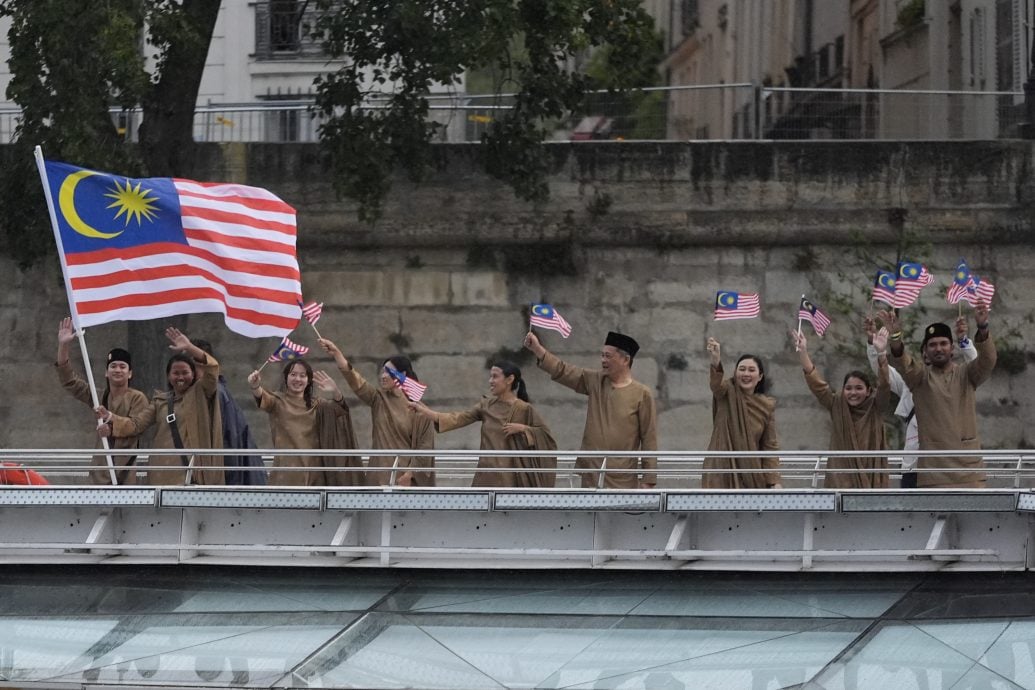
[
  {"x": 820, "y": 321},
  {"x": 554, "y": 323},
  {"x": 748, "y": 307},
  {"x": 412, "y": 388},
  {"x": 239, "y": 260},
  {"x": 981, "y": 292},
  {"x": 312, "y": 311}
]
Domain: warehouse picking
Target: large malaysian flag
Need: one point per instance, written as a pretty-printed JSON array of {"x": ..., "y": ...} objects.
[{"x": 136, "y": 249}]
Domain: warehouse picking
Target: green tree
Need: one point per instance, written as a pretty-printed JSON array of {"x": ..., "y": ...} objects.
[
  {"x": 70, "y": 64},
  {"x": 375, "y": 106},
  {"x": 73, "y": 61}
]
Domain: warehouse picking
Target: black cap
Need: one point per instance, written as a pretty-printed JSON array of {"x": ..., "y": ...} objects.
[
  {"x": 622, "y": 342},
  {"x": 120, "y": 355},
  {"x": 937, "y": 330}
]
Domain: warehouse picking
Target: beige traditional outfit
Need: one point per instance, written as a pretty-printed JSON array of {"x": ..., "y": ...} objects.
[
  {"x": 616, "y": 419},
  {"x": 946, "y": 415},
  {"x": 199, "y": 423},
  {"x": 741, "y": 421},
  {"x": 494, "y": 413},
  {"x": 855, "y": 428},
  {"x": 130, "y": 403},
  {"x": 394, "y": 425},
  {"x": 293, "y": 426}
]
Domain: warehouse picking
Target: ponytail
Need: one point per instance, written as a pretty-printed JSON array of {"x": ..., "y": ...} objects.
[{"x": 511, "y": 369}]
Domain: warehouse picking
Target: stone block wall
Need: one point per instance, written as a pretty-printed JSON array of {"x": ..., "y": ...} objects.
[{"x": 637, "y": 238}]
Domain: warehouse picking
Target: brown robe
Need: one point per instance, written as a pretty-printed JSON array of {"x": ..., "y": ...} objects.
[
  {"x": 394, "y": 425},
  {"x": 493, "y": 413},
  {"x": 334, "y": 430},
  {"x": 616, "y": 419},
  {"x": 198, "y": 420},
  {"x": 741, "y": 421},
  {"x": 131, "y": 402},
  {"x": 855, "y": 428},
  {"x": 946, "y": 415},
  {"x": 293, "y": 426}
]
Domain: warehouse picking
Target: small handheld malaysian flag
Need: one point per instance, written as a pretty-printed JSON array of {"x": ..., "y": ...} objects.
[
  {"x": 807, "y": 311},
  {"x": 980, "y": 292},
  {"x": 288, "y": 350},
  {"x": 411, "y": 387},
  {"x": 545, "y": 316},
  {"x": 736, "y": 305},
  {"x": 312, "y": 311},
  {"x": 961, "y": 284},
  {"x": 911, "y": 278},
  {"x": 884, "y": 288}
]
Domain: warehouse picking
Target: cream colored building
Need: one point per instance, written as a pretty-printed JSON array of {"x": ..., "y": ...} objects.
[{"x": 716, "y": 47}]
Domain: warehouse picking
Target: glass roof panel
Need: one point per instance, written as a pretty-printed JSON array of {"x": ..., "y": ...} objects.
[{"x": 189, "y": 626}]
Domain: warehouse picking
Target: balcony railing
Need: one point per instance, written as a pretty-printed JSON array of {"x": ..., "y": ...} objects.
[
  {"x": 677, "y": 113},
  {"x": 284, "y": 28}
]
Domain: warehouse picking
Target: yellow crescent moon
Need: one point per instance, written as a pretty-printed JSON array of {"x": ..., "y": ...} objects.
[{"x": 66, "y": 200}]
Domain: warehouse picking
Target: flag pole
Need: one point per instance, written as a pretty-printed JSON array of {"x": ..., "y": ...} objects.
[
  {"x": 315, "y": 331},
  {"x": 81, "y": 336},
  {"x": 530, "y": 308},
  {"x": 799, "y": 324}
]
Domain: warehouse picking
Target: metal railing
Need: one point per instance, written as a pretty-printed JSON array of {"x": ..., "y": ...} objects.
[
  {"x": 674, "y": 113},
  {"x": 457, "y": 468}
]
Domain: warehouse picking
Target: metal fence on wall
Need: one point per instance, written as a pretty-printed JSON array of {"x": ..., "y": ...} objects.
[{"x": 678, "y": 113}]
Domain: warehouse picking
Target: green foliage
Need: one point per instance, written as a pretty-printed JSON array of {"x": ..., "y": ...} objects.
[
  {"x": 634, "y": 114},
  {"x": 70, "y": 64},
  {"x": 67, "y": 69},
  {"x": 910, "y": 14},
  {"x": 374, "y": 108}
]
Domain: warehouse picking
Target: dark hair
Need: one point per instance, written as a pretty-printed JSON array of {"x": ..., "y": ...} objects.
[
  {"x": 857, "y": 374},
  {"x": 203, "y": 345},
  {"x": 181, "y": 357},
  {"x": 403, "y": 365},
  {"x": 763, "y": 383},
  {"x": 511, "y": 369},
  {"x": 307, "y": 394}
]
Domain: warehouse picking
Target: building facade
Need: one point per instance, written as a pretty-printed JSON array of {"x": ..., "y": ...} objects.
[{"x": 766, "y": 68}]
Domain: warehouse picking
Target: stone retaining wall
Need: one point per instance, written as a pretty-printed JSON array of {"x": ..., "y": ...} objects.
[{"x": 636, "y": 237}]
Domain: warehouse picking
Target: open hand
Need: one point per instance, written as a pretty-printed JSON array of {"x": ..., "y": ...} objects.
[{"x": 179, "y": 342}]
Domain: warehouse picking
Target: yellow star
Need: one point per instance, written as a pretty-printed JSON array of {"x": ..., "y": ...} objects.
[{"x": 132, "y": 201}]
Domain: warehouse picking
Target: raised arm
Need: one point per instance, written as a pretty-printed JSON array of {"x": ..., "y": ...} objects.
[
  {"x": 898, "y": 386},
  {"x": 965, "y": 344},
  {"x": 715, "y": 378},
  {"x": 815, "y": 382},
  {"x": 363, "y": 390},
  {"x": 326, "y": 384},
  {"x": 563, "y": 373},
  {"x": 912, "y": 371},
  {"x": 981, "y": 368},
  {"x": 70, "y": 381},
  {"x": 264, "y": 400},
  {"x": 880, "y": 347},
  {"x": 208, "y": 374}
]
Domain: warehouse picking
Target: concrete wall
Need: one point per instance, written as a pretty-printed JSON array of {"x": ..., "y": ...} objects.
[{"x": 636, "y": 237}]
